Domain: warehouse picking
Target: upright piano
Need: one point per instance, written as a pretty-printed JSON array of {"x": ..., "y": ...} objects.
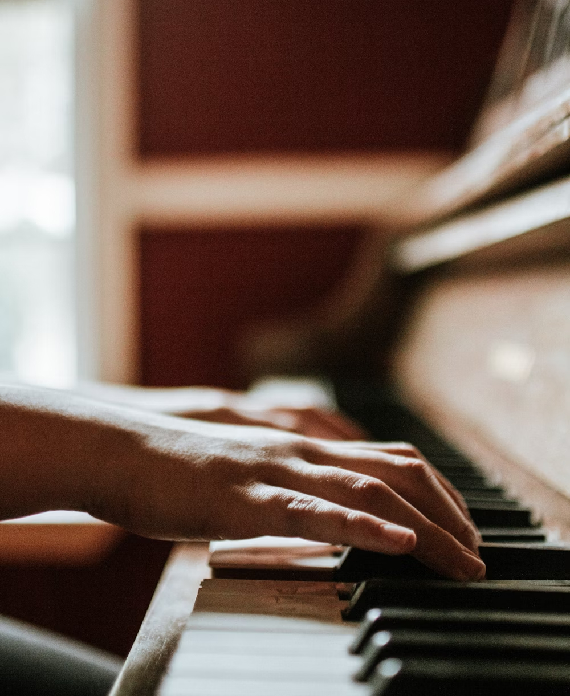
[{"x": 479, "y": 379}]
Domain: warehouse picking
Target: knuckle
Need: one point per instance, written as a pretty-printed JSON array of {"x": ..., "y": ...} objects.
[
  {"x": 428, "y": 533},
  {"x": 298, "y": 510},
  {"x": 221, "y": 413},
  {"x": 411, "y": 448},
  {"x": 310, "y": 450},
  {"x": 368, "y": 489},
  {"x": 346, "y": 521},
  {"x": 419, "y": 469},
  {"x": 406, "y": 449},
  {"x": 300, "y": 504}
]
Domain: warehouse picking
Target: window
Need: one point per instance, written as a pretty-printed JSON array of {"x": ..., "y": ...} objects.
[{"x": 37, "y": 342}]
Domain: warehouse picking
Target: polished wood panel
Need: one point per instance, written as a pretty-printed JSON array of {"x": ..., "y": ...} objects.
[
  {"x": 57, "y": 538},
  {"x": 485, "y": 358},
  {"x": 102, "y": 604},
  {"x": 533, "y": 224}
]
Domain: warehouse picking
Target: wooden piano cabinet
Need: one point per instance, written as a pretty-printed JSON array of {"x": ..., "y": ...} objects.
[
  {"x": 101, "y": 603},
  {"x": 165, "y": 620},
  {"x": 485, "y": 358}
]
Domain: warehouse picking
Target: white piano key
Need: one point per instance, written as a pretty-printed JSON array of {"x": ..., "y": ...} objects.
[
  {"x": 238, "y": 642},
  {"x": 260, "y": 687},
  {"x": 258, "y": 666},
  {"x": 258, "y": 622}
]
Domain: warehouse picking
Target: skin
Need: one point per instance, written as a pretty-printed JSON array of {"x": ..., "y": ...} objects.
[
  {"x": 231, "y": 407},
  {"x": 177, "y": 478}
]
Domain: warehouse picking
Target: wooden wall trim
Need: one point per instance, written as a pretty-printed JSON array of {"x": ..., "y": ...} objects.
[
  {"x": 526, "y": 222},
  {"x": 277, "y": 189}
]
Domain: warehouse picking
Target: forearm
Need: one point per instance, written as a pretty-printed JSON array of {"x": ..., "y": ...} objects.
[
  {"x": 173, "y": 478},
  {"x": 171, "y": 400},
  {"x": 232, "y": 407},
  {"x": 57, "y": 451}
]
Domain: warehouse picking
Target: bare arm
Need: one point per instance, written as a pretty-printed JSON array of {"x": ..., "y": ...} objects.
[
  {"x": 172, "y": 478},
  {"x": 231, "y": 407}
]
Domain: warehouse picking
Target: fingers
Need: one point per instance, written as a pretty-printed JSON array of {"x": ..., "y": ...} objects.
[
  {"x": 404, "y": 449},
  {"x": 311, "y": 422},
  {"x": 413, "y": 479},
  {"x": 232, "y": 416},
  {"x": 438, "y": 546},
  {"x": 327, "y": 425},
  {"x": 399, "y": 528},
  {"x": 297, "y": 514}
]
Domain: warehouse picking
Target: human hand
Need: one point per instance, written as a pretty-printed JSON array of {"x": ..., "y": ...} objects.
[
  {"x": 310, "y": 421},
  {"x": 230, "y": 407},
  {"x": 200, "y": 480}
]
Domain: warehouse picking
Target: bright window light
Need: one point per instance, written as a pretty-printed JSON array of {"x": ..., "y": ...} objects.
[{"x": 37, "y": 216}]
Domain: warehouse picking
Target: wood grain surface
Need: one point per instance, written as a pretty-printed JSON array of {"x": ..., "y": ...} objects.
[
  {"x": 486, "y": 357},
  {"x": 164, "y": 622}
]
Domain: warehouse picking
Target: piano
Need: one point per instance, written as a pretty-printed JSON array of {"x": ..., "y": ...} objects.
[{"x": 479, "y": 379}]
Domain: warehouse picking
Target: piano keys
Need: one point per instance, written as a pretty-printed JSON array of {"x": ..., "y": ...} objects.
[
  {"x": 380, "y": 636},
  {"x": 446, "y": 389},
  {"x": 271, "y": 634}
]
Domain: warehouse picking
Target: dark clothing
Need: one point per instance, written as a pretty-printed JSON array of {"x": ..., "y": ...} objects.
[{"x": 35, "y": 662}]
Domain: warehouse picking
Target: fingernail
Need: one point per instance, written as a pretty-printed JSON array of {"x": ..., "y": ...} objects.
[
  {"x": 472, "y": 567},
  {"x": 398, "y": 539}
]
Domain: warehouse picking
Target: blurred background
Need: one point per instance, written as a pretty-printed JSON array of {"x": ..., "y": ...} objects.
[{"x": 175, "y": 172}]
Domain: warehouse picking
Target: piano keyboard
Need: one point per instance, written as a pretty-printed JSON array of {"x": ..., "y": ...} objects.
[
  {"x": 378, "y": 625},
  {"x": 264, "y": 638}
]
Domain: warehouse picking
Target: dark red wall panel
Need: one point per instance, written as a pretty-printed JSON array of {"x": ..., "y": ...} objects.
[
  {"x": 200, "y": 289},
  {"x": 102, "y": 605},
  {"x": 221, "y": 76}
]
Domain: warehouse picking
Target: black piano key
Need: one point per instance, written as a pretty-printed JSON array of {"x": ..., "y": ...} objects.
[
  {"x": 404, "y": 644},
  {"x": 465, "y": 620},
  {"x": 484, "y": 495},
  {"x": 502, "y": 535},
  {"x": 510, "y": 561},
  {"x": 356, "y": 565},
  {"x": 433, "y": 677},
  {"x": 452, "y": 459},
  {"x": 517, "y": 596},
  {"x": 501, "y": 514},
  {"x": 526, "y": 561},
  {"x": 467, "y": 481},
  {"x": 450, "y": 466},
  {"x": 481, "y": 496}
]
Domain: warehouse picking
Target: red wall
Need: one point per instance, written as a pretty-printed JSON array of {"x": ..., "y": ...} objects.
[
  {"x": 102, "y": 604},
  {"x": 220, "y": 76},
  {"x": 201, "y": 289}
]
